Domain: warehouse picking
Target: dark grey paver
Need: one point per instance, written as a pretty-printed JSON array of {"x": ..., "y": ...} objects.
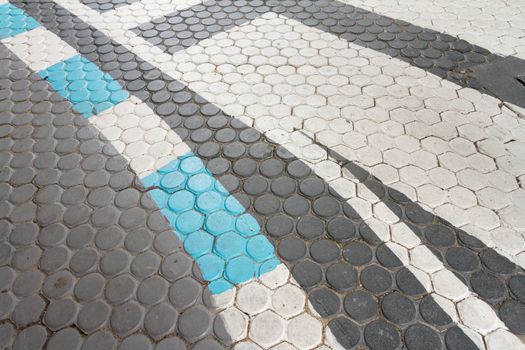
[
  {"x": 360, "y": 306},
  {"x": 120, "y": 289},
  {"x": 376, "y": 279},
  {"x": 295, "y": 169},
  {"x": 195, "y": 323},
  {"x": 32, "y": 337},
  {"x": 93, "y": 316},
  {"x": 136, "y": 342},
  {"x": 487, "y": 285},
  {"x": 160, "y": 320},
  {"x": 455, "y": 339},
  {"x": 398, "y": 308},
  {"x": 99, "y": 340},
  {"x": 171, "y": 343},
  {"x": 432, "y": 312},
  {"x": 381, "y": 335},
  {"x": 68, "y": 338},
  {"x": 325, "y": 301},
  {"x": 419, "y": 336},
  {"x": 28, "y": 310},
  {"x": 126, "y": 318},
  {"x": 513, "y": 314}
]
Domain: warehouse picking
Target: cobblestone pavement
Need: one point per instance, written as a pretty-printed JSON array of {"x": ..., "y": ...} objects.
[{"x": 262, "y": 174}]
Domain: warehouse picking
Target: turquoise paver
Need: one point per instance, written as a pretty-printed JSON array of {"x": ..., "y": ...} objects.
[
  {"x": 89, "y": 90},
  {"x": 225, "y": 241},
  {"x": 14, "y": 21}
]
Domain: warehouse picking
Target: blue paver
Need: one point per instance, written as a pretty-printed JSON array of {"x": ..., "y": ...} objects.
[
  {"x": 226, "y": 242},
  {"x": 14, "y": 21},
  {"x": 89, "y": 90}
]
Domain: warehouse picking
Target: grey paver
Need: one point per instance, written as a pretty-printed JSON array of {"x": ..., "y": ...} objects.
[
  {"x": 398, "y": 308},
  {"x": 160, "y": 320},
  {"x": 93, "y": 316},
  {"x": 325, "y": 301},
  {"x": 194, "y": 323},
  {"x": 120, "y": 289},
  {"x": 360, "y": 306},
  {"x": 432, "y": 312},
  {"x": 83, "y": 261},
  {"x": 487, "y": 285},
  {"x": 60, "y": 314},
  {"x": 455, "y": 339},
  {"x": 6, "y": 334},
  {"x": 28, "y": 310},
  {"x": 32, "y": 337},
  {"x": 89, "y": 286},
  {"x": 376, "y": 279},
  {"x": 341, "y": 276},
  {"x": 513, "y": 314},
  {"x": 357, "y": 253},
  {"x": 114, "y": 262},
  {"x": 418, "y": 335},
  {"x": 183, "y": 292},
  {"x": 28, "y": 283},
  {"x": 126, "y": 318},
  {"x": 67, "y": 337},
  {"x": 152, "y": 290},
  {"x": 99, "y": 340},
  {"x": 517, "y": 286},
  {"x": 171, "y": 343},
  {"x": 87, "y": 258},
  {"x": 136, "y": 341},
  {"x": 381, "y": 335}
]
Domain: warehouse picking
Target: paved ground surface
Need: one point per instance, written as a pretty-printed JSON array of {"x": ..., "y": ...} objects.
[{"x": 262, "y": 174}]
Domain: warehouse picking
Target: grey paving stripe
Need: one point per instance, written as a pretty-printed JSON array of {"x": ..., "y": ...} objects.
[
  {"x": 182, "y": 29},
  {"x": 106, "y": 5},
  {"x": 103, "y": 263},
  {"x": 441, "y": 54},
  {"x": 309, "y": 224}
]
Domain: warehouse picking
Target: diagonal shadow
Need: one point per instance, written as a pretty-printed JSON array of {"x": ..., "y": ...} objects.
[{"x": 301, "y": 213}]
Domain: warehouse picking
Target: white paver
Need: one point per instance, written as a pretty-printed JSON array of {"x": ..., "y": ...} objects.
[
  {"x": 124, "y": 127},
  {"x": 39, "y": 48}
]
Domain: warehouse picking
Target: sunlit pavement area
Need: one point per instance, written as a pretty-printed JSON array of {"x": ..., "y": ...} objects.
[{"x": 332, "y": 174}]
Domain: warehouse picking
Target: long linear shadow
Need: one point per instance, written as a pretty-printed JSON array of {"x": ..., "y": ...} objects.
[
  {"x": 351, "y": 277},
  {"x": 185, "y": 284},
  {"x": 446, "y": 56},
  {"x": 492, "y": 276}
]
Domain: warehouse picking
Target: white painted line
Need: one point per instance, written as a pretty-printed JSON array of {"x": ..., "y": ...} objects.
[
  {"x": 146, "y": 141},
  {"x": 39, "y": 48}
]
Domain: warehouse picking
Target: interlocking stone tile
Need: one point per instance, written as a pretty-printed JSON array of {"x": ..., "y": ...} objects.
[
  {"x": 84, "y": 85},
  {"x": 323, "y": 200},
  {"x": 14, "y": 21}
]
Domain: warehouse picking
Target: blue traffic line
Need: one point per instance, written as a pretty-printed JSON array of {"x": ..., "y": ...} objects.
[
  {"x": 225, "y": 241},
  {"x": 80, "y": 81},
  {"x": 14, "y": 21}
]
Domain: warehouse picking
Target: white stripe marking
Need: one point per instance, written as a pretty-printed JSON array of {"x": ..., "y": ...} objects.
[
  {"x": 39, "y": 48},
  {"x": 145, "y": 139}
]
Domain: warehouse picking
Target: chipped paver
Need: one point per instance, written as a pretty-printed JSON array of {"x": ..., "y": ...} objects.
[{"x": 259, "y": 174}]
